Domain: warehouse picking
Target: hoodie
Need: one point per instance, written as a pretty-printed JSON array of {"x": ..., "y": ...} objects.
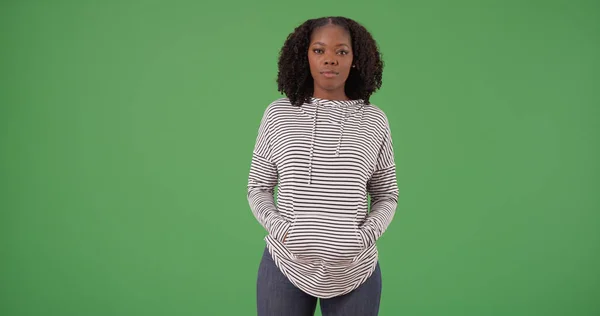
[{"x": 325, "y": 158}]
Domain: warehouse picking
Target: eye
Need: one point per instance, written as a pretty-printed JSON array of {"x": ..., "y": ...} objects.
[
  {"x": 343, "y": 52},
  {"x": 318, "y": 50}
]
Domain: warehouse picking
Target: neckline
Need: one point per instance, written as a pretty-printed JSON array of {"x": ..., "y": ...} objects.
[{"x": 321, "y": 101}]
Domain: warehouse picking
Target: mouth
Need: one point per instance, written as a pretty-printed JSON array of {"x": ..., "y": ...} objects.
[{"x": 329, "y": 73}]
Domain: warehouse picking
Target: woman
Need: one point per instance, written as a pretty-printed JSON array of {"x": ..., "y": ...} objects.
[{"x": 326, "y": 147}]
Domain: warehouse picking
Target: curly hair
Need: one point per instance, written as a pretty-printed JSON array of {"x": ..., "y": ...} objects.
[{"x": 294, "y": 78}]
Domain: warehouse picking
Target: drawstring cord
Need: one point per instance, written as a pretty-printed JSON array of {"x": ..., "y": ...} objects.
[
  {"x": 312, "y": 142},
  {"x": 339, "y": 144},
  {"x": 337, "y": 150}
]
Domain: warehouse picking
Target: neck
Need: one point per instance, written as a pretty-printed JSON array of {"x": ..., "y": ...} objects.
[{"x": 330, "y": 95}]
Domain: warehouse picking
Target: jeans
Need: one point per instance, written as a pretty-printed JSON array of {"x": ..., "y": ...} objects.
[{"x": 277, "y": 296}]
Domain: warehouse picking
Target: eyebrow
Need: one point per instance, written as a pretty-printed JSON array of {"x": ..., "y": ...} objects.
[{"x": 323, "y": 44}]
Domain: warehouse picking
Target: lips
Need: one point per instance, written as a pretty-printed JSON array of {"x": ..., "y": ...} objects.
[{"x": 329, "y": 73}]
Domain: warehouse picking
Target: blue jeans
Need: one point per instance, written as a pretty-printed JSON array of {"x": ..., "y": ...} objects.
[{"x": 277, "y": 296}]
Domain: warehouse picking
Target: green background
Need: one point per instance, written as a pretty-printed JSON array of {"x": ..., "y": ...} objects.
[{"x": 126, "y": 132}]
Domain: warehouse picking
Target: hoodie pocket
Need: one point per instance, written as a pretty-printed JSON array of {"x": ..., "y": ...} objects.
[
  {"x": 287, "y": 237},
  {"x": 357, "y": 222},
  {"x": 359, "y": 238}
]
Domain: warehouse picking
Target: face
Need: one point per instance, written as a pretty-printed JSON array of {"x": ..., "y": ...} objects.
[{"x": 330, "y": 59}]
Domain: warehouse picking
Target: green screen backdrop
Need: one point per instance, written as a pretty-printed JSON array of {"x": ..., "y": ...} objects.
[{"x": 127, "y": 127}]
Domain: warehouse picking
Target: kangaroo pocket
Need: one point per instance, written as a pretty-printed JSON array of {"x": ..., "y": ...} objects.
[
  {"x": 335, "y": 243},
  {"x": 315, "y": 274}
]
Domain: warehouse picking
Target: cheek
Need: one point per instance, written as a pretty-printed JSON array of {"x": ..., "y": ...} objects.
[
  {"x": 347, "y": 68},
  {"x": 347, "y": 64},
  {"x": 312, "y": 62}
]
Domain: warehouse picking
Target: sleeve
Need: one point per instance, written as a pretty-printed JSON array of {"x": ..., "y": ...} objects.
[
  {"x": 262, "y": 180},
  {"x": 383, "y": 189}
]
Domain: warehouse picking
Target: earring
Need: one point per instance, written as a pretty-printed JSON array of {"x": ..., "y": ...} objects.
[{"x": 353, "y": 66}]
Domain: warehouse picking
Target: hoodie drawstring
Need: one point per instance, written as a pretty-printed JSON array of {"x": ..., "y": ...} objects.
[
  {"x": 339, "y": 144},
  {"x": 312, "y": 143},
  {"x": 337, "y": 150}
]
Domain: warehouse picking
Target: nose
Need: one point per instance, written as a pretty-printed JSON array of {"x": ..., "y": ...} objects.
[{"x": 330, "y": 60}]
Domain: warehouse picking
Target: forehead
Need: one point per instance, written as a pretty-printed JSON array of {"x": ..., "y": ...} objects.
[{"x": 330, "y": 34}]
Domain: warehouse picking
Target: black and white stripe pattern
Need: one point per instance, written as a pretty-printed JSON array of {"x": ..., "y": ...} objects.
[{"x": 324, "y": 157}]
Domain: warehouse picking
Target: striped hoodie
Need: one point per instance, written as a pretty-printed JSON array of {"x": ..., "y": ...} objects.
[{"x": 324, "y": 157}]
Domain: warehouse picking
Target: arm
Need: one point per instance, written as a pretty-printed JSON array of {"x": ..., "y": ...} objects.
[
  {"x": 383, "y": 188},
  {"x": 262, "y": 180}
]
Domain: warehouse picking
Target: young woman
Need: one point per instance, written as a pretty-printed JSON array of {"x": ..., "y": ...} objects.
[{"x": 326, "y": 147}]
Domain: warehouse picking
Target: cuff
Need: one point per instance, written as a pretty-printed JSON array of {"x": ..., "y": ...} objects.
[
  {"x": 364, "y": 238},
  {"x": 281, "y": 230}
]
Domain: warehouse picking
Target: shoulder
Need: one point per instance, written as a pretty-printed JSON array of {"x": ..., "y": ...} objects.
[
  {"x": 376, "y": 115},
  {"x": 279, "y": 103},
  {"x": 278, "y": 107}
]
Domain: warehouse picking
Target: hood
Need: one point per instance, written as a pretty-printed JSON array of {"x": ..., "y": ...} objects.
[{"x": 335, "y": 112}]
